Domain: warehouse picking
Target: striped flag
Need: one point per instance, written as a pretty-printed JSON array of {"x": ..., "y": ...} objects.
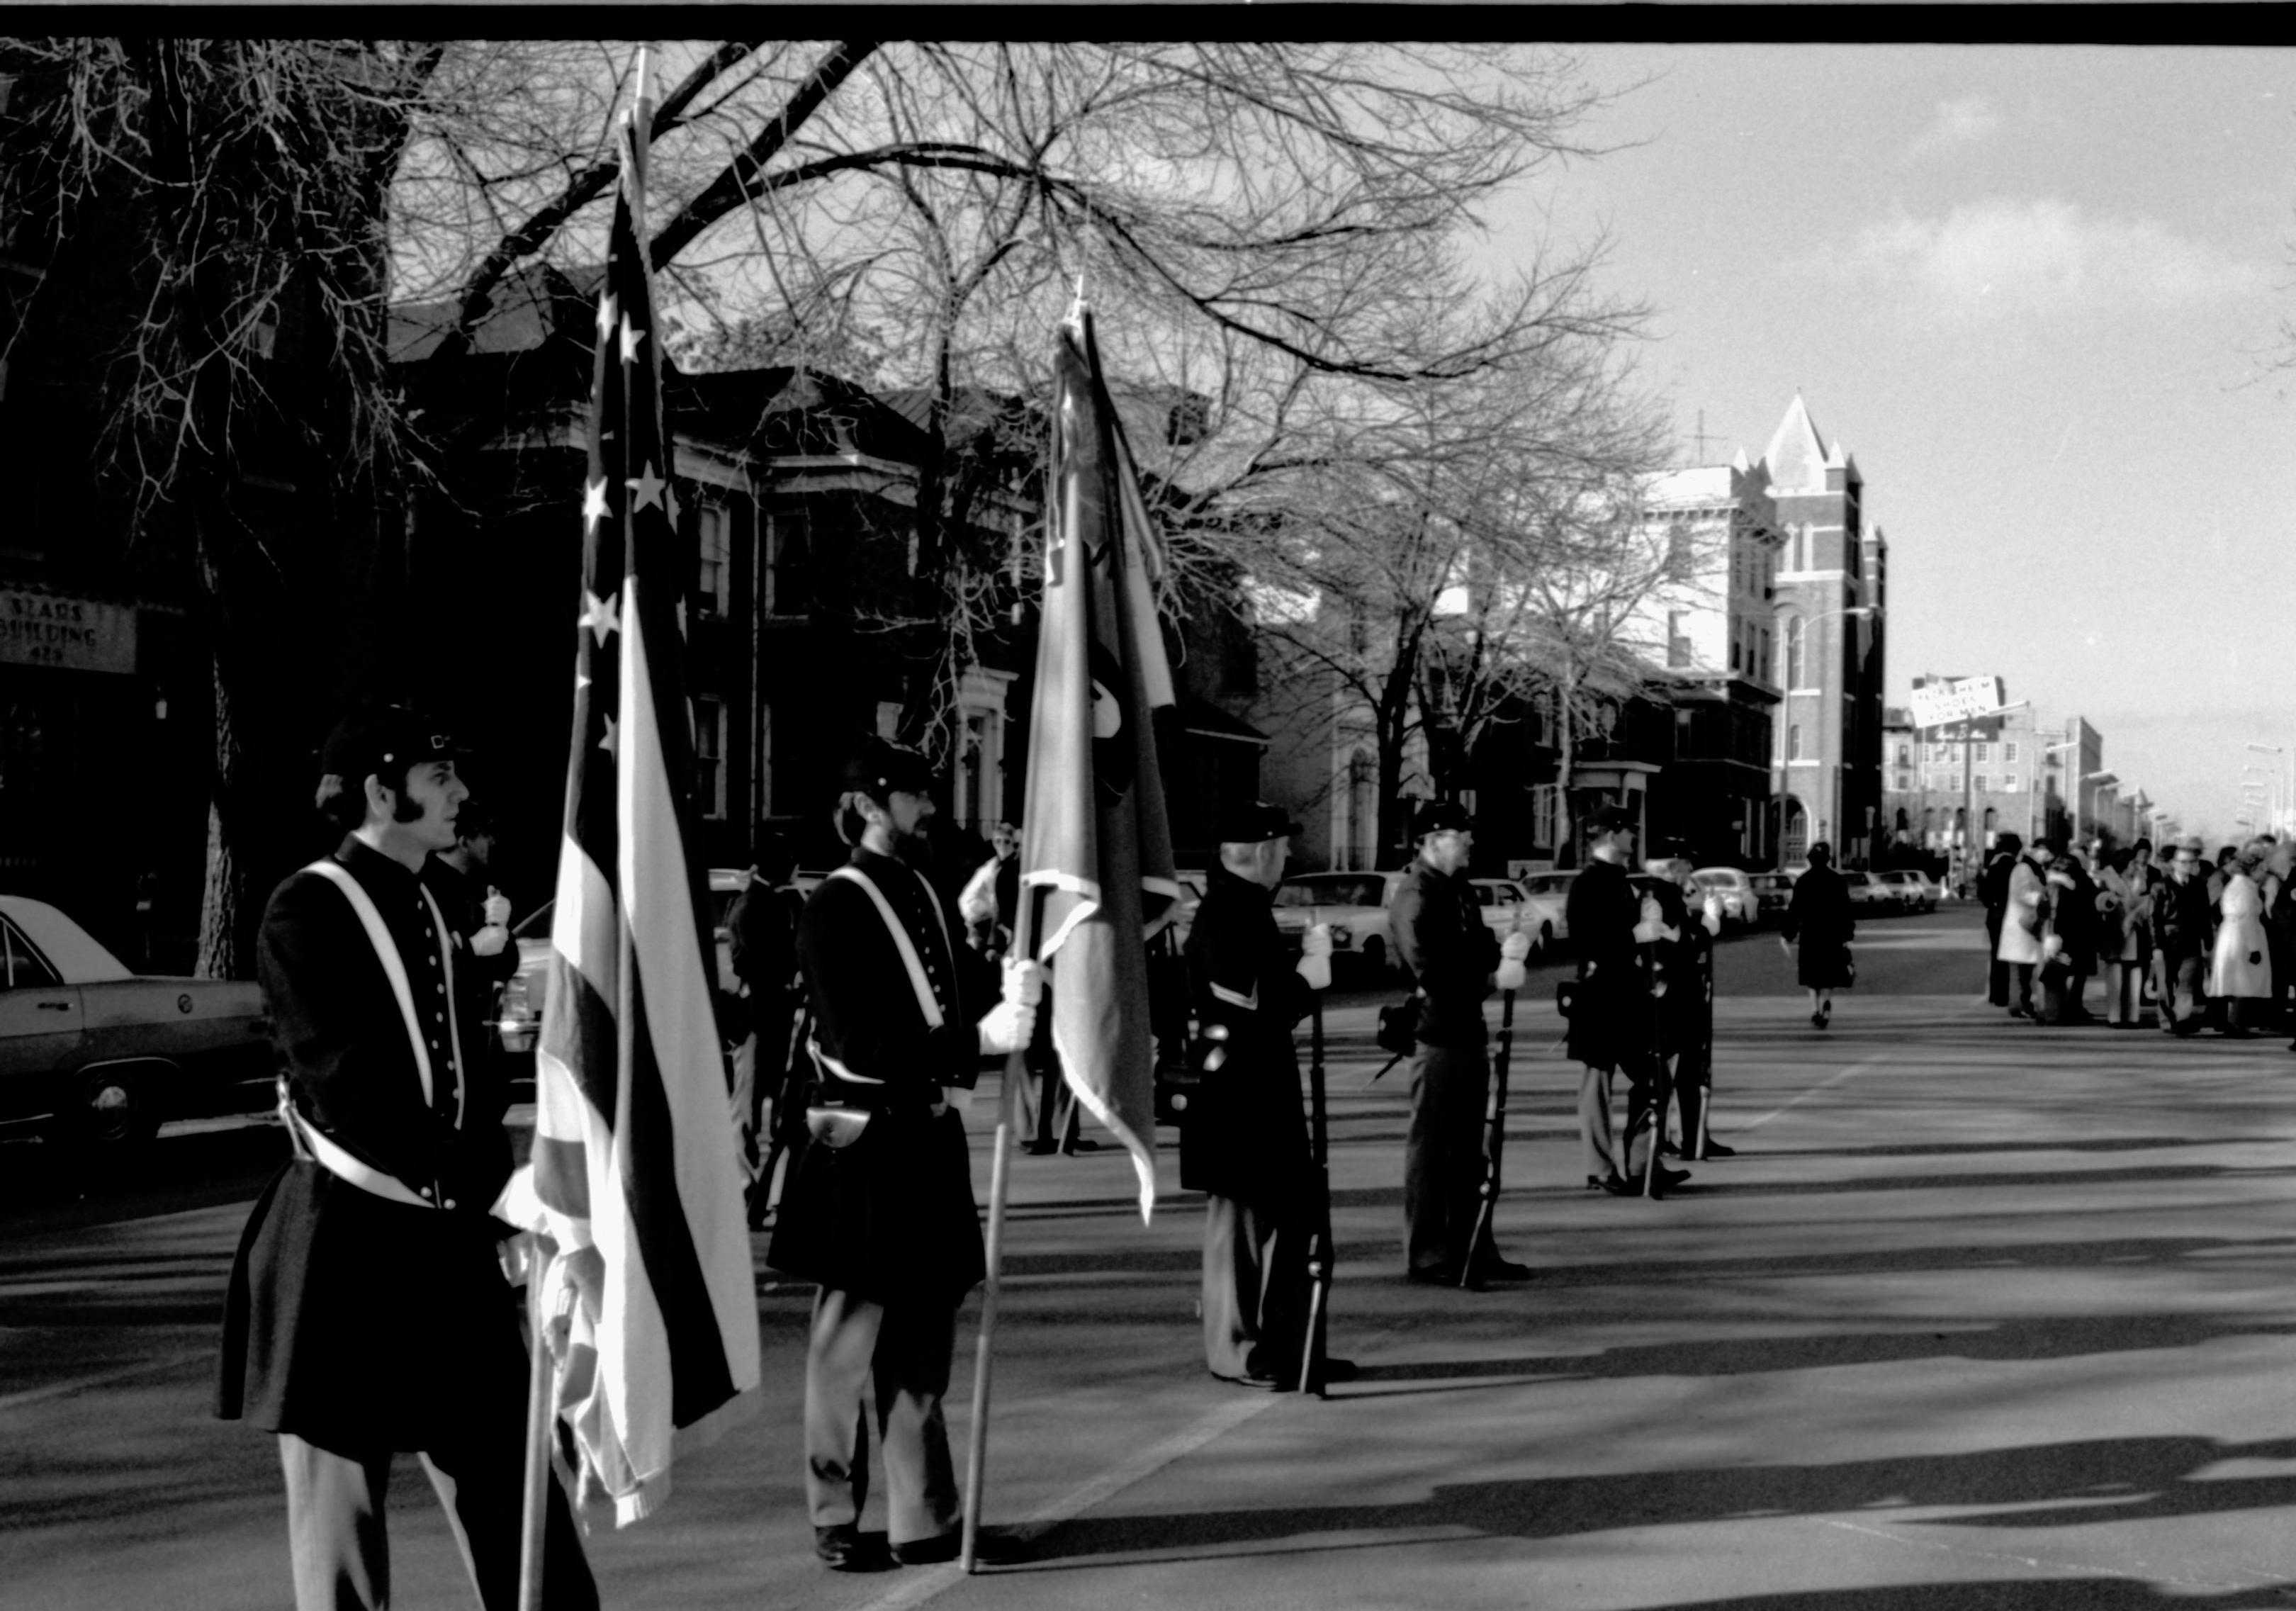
[
  {"x": 634, "y": 1153},
  {"x": 1093, "y": 837}
]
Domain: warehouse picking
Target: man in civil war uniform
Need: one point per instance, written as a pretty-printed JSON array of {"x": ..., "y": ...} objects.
[
  {"x": 1441, "y": 937},
  {"x": 1244, "y": 1136},
  {"x": 367, "y": 1312},
  {"x": 1613, "y": 1027},
  {"x": 879, "y": 1209}
]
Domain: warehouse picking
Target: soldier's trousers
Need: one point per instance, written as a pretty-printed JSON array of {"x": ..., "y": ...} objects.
[
  {"x": 1443, "y": 1157},
  {"x": 1254, "y": 1291},
  {"x": 341, "y": 1555},
  {"x": 903, "y": 1351}
]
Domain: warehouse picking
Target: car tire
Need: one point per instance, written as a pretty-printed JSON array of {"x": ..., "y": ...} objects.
[{"x": 111, "y": 1108}]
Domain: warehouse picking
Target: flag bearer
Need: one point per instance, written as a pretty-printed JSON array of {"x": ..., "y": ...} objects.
[
  {"x": 880, "y": 1211},
  {"x": 1243, "y": 1137},
  {"x": 367, "y": 1312}
]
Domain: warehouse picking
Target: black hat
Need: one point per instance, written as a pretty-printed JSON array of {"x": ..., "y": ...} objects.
[
  {"x": 1442, "y": 816},
  {"x": 1253, "y": 821},
  {"x": 878, "y": 768},
  {"x": 1609, "y": 819},
  {"x": 378, "y": 738}
]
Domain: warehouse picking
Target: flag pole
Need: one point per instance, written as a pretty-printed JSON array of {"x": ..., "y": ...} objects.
[
  {"x": 1025, "y": 936},
  {"x": 540, "y": 1381}
]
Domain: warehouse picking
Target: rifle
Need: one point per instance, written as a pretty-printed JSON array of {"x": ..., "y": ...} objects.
[
  {"x": 1319, "y": 1240},
  {"x": 1494, "y": 1137}
]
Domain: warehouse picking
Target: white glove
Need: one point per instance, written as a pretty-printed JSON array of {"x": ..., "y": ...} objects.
[
  {"x": 1515, "y": 947},
  {"x": 1511, "y": 973},
  {"x": 1316, "y": 957},
  {"x": 1713, "y": 914},
  {"x": 1024, "y": 981},
  {"x": 1650, "y": 928},
  {"x": 489, "y": 941},
  {"x": 496, "y": 910},
  {"x": 1008, "y": 1028}
]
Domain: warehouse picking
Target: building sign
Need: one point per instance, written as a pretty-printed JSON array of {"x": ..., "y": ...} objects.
[
  {"x": 72, "y": 634},
  {"x": 1936, "y": 704}
]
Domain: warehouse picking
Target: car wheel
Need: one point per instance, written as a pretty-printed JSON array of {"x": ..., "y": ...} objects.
[{"x": 110, "y": 1107}]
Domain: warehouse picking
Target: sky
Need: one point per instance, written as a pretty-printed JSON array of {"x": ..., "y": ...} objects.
[{"x": 2034, "y": 291}]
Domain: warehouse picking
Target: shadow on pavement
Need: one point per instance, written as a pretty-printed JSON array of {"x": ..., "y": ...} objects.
[{"x": 2107, "y": 1481}]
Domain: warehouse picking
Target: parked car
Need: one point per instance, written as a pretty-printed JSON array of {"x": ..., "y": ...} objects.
[
  {"x": 1774, "y": 890},
  {"x": 1915, "y": 890},
  {"x": 98, "y": 1054},
  {"x": 519, "y": 1017},
  {"x": 1354, "y": 904},
  {"x": 1869, "y": 896},
  {"x": 1742, "y": 903},
  {"x": 1506, "y": 906},
  {"x": 1551, "y": 892}
]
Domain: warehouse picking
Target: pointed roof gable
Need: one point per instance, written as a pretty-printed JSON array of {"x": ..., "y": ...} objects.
[{"x": 1796, "y": 456}]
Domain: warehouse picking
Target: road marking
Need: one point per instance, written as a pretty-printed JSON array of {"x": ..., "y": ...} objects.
[
  {"x": 1859, "y": 1067},
  {"x": 1099, "y": 1491},
  {"x": 57, "y": 1390}
]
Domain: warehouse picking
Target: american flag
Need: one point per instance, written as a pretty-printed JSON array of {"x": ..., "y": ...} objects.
[{"x": 633, "y": 1151}]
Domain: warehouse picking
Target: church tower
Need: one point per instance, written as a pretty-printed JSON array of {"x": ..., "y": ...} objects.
[{"x": 1831, "y": 601}]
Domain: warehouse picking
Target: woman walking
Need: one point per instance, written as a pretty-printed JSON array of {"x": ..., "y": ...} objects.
[
  {"x": 2240, "y": 972},
  {"x": 1818, "y": 932}
]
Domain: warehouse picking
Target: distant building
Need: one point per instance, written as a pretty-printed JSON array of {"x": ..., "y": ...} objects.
[
  {"x": 1951, "y": 792},
  {"x": 1832, "y": 604}
]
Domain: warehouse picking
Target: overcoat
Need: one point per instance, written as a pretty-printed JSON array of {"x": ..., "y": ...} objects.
[
  {"x": 1818, "y": 920},
  {"x": 1611, "y": 1020},
  {"x": 2242, "y": 966},
  {"x": 353, "y": 1321},
  {"x": 1244, "y": 1135},
  {"x": 2026, "y": 909},
  {"x": 2180, "y": 916},
  {"x": 1682, "y": 981},
  {"x": 890, "y": 1217},
  {"x": 1441, "y": 937}
]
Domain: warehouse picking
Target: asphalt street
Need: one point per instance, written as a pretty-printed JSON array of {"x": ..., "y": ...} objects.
[{"x": 1983, "y": 1314}]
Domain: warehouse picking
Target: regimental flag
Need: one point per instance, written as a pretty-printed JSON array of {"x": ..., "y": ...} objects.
[
  {"x": 633, "y": 1151},
  {"x": 1093, "y": 838}
]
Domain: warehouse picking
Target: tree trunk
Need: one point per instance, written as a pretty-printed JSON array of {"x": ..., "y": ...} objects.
[{"x": 1566, "y": 849}]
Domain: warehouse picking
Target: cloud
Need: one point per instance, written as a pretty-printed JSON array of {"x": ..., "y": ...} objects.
[
  {"x": 2004, "y": 255},
  {"x": 1962, "y": 122}
]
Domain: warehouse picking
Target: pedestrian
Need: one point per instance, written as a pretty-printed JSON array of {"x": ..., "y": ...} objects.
[
  {"x": 2124, "y": 932},
  {"x": 2181, "y": 940},
  {"x": 2278, "y": 890},
  {"x": 2073, "y": 927},
  {"x": 761, "y": 944},
  {"x": 2240, "y": 971},
  {"x": 1817, "y": 930},
  {"x": 461, "y": 877},
  {"x": 2025, "y": 913},
  {"x": 1243, "y": 1137},
  {"x": 1683, "y": 985},
  {"x": 367, "y": 1313},
  {"x": 1992, "y": 892},
  {"x": 989, "y": 897},
  {"x": 1450, "y": 953},
  {"x": 1613, "y": 1028},
  {"x": 880, "y": 1212}
]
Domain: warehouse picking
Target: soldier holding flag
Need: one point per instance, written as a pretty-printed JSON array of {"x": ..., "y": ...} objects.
[
  {"x": 1243, "y": 1142},
  {"x": 880, "y": 1211},
  {"x": 367, "y": 1312}
]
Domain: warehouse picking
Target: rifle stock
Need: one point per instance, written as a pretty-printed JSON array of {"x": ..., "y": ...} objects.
[
  {"x": 1319, "y": 1240},
  {"x": 1494, "y": 1138}
]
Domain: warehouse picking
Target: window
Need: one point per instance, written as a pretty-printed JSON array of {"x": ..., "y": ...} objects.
[
  {"x": 1793, "y": 741},
  {"x": 1983, "y": 752},
  {"x": 27, "y": 970},
  {"x": 2009, "y": 782},
  {"x": 1905, "y": 755},
  {"x": 1766, "y": 647},
  {"x": 1977, "y": 783},
  {"x": 1793, "y": 653},
  {"x": 714, "y": 577},
  {"x": 1904, "y": 784},
  {"x": 788, "y": 561},
  {"x": 2009, "y": 752},
  {"x": 1677, "y": 548},
  {"x": 1953, "y": 782},
  {"x": 709, "y": 756},
  {"x": 1678, "y": 645}
]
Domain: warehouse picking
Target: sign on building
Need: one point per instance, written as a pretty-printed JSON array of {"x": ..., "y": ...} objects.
[
  {"x": 69, "y": 634},
  {"x": 1936, "y": 704}
]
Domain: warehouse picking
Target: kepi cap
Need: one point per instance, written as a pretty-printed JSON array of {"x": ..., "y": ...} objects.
[
  {"x": 376, "y": 737},
  {"x": 880, "y": 768},
  {"x": 1443, "y": 817},
  {"x": 1254, "y": 822}
]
